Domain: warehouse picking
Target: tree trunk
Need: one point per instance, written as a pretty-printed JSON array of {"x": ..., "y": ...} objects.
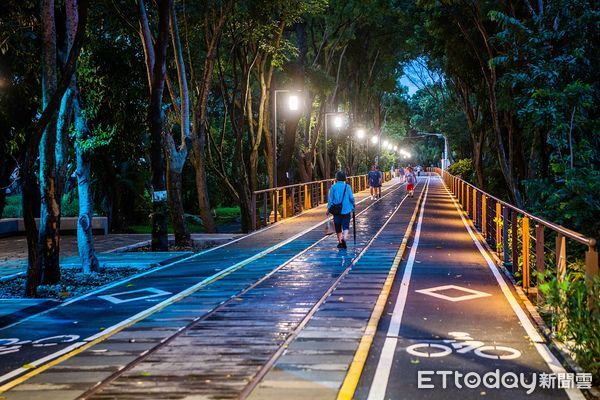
[
  {"x": 50, "y": 205},
  {"x": 199, "y": 163},
  {"x": 176, "y": 157},
  {"x": 155, "y": 122},
  {"x": 175, "y": 162},
  {"x": 6, "y": 169},
  {"x": 85, "y": 238}
]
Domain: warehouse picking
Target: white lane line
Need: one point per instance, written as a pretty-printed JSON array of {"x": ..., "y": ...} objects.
[
  {"x": 390, "y": 190},
  {"x": 40, "y": 361},
  {"x": 147, "y": 312},
  {"x": 540, "y": 345},
  {"x": 386, "y": 358}
]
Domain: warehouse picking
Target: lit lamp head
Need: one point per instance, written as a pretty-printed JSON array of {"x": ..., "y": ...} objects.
[
  {"x": 294, "y": 102},
  {"x": 360, "y": 133},
  {"x": 338, "y": 121},
  {"x": 395, "y": 148},
  {"x": 375, "y": 139},
  {"x": 385, "y": 144}
]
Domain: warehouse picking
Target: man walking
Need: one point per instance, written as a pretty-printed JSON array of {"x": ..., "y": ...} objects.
[{"x": 375, "y": 177}]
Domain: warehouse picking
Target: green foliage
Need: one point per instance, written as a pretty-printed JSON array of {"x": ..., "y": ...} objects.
[
  {"x": 573, "y": 201},
  {"x": 573, "y": 321},
  {"x": 462, "y": 169}
]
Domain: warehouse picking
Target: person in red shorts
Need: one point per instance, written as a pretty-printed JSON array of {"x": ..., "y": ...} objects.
[{"x": 411, "y": 179}]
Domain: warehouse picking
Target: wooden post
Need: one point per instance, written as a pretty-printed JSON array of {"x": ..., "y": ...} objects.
[
  {"x": 498, "y": 224},
  {"x": 322, "y": 193},
  {"x": 474, "y": 207},
  {"x": 306, "y": 198},
  {"x": 514, "y": 224},
  {"x": 265, "y": 211},
  {"x": 467, "y": 201},
  {"x": 591, "y": 269},
  {"x": 253, "y": 226},
  {"x": 561, "y": 256},
  {"x": 505, "y": 249},
  {"x": 540, "y": 266},
  {"x": 484, "y": 216},
  {"x": 525, "y": 251},
  {"x": 591, "y": 262},
  {"x": 285, "y": 203}
]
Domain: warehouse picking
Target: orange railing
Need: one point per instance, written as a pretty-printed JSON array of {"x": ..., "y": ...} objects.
[
  {"x": 275, "y": 204},
  {"x": 508, "y": 230}
]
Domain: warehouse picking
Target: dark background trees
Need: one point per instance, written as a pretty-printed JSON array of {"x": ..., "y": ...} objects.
[{"x": 513, "y": 85}]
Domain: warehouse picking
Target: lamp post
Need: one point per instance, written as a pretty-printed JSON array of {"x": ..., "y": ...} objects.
[
  {"x": 338, "y": 121},
  {"x": 293, "y": 105}
]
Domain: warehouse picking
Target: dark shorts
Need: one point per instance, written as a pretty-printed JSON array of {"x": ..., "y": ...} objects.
[{"x": 341, "y": 222}]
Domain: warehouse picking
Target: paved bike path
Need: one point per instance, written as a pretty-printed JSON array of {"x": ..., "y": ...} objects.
[
  {"x": 451, "y": 311},
  {"x": 89, "y": 319}
]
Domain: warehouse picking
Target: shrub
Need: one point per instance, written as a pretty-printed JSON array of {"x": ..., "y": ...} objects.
[{"x": 574, "y": 323}]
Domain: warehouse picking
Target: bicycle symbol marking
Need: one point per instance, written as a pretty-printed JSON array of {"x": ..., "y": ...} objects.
[
  {"x": 462, "y": 344},
  {"x": 13, "y": 345}
]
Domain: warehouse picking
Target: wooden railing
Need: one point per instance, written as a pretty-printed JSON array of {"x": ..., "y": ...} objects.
[
  {"x": 508, "y": 230},
  {"x": 275, "y": 204}
]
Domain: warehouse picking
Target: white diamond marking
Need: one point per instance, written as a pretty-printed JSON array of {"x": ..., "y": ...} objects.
[{"x": 473, "y": 294}]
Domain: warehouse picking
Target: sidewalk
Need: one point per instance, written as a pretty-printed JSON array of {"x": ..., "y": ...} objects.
[{"x": 13, "y": 249}]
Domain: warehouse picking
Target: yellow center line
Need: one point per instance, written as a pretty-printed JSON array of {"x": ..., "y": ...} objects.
[{"x": 350, "y": 383}]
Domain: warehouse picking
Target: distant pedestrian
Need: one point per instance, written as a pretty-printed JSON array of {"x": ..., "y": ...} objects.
[
  {"x": 375, "y": 178},
  {"x": 411, "y": 179},
  {"x": 341, "y": 204},
  {"x": 401, "y": 173}
]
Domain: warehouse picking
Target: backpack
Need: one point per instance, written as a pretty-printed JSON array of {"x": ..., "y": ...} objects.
[{"x": 336, "y": 209}]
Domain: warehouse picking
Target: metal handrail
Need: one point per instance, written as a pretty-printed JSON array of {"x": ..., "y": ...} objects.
[
  {"x": 559, "y": 228},
  {"x": 492, "y": 216},
  {"x": 302, "y": 184},
  {"x": 286, "y": 201}
]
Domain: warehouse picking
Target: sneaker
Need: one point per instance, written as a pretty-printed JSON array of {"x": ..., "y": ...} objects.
[
  {"x": 344, "y": 245},
  {"x": 339, "y": 246}
]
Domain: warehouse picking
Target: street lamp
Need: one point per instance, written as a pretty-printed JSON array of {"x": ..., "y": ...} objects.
[
  {"x": 375, "y": 139},
  {"x": 360, "y": 133},
  {"x": 338, "y": 122},
  {"x": 294, "y": 103}
]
